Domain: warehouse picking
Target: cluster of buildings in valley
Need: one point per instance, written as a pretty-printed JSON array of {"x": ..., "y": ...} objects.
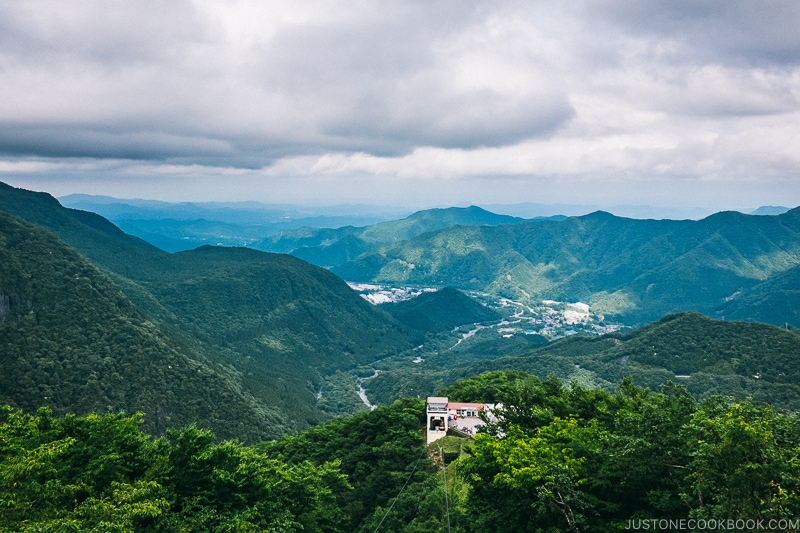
[
  {"x": 384, "y": 294},
  {"x": 551, "y": 319}
]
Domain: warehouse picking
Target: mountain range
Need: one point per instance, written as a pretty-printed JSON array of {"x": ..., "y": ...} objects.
[
  {"x": 182, "y": 226},
  {"x": 628, "y": 270},
  {"x": 331, "y": 247},
  {"x": 632, "y": 271},
  {"x": 270, "y": 323},
  {"x": 246, "y": 342}
]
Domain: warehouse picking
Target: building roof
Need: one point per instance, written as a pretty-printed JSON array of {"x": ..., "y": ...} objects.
[
  {"x": 462, "y": 405},
  {"x": 437, "y": 399}
]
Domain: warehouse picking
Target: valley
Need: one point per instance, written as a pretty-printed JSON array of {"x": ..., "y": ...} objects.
[
  {"x": 261, "y": 377},
  {"x": 300, "y": 346},
  {"x": 548, "y": 318}
]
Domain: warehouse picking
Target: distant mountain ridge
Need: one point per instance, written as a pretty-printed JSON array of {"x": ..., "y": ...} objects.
[
  {"x": 626, "y": 269},
  {"x": 182, "y": 226},
  {"x": 333, "y": 247},
  {"x": 770, "y": 210}
]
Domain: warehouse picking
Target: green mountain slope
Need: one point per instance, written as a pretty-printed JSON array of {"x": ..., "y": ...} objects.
[
  {"x": 281, "y": 322},
  {"x": 775, "y": 301},
  {"x": 707, "y": 356},
  {"x": 442, "y": 310},
  {"x": 93, "y": 236},
  {"x": 72, "y": 341},
  {"x": 630, "y": 270},
  {"x": 329, "y": 247},
  {"x": 277, "y": 322}
]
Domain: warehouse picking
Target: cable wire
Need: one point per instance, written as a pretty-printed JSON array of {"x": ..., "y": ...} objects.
[{"x": 401, "y": 491}]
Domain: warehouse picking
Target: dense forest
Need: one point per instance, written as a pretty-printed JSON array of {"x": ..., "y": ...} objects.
[
  {"x": 634, "y": 271},
  {"x": 72, "y": 341},
  {"x": 560, "y": 458},
  {"x": 709, "y": 357},
  {"x": 237, "y": 330},
  {"x": 199, "y": 391}
]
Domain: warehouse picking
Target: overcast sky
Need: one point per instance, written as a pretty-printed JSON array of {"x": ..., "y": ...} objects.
[{"x": 674, "y": 103}]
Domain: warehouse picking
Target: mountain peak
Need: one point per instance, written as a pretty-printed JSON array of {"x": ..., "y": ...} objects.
[{"x": 770, "y": 210}]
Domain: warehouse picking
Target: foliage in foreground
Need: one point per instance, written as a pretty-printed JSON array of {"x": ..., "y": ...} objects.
[
  {"x": 101, "y": 473},
  {"x": 560, "y": 458},
  {"x": 572, "y": 459}
]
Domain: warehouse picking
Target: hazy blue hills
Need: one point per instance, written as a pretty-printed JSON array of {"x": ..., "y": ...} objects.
[
  {"x": 72, "y": 341},
  {"x": 630, "y": 270},
  {"x": 442, "y": 310},
  {"x": 248, "y": 213},
  {"x": 330, "y": 247},
  {"x": 770, "y": 210},
  {"x": 186, "y": 225}
]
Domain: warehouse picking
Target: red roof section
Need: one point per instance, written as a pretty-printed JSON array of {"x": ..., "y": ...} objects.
[{"x": 460, "y": 405}]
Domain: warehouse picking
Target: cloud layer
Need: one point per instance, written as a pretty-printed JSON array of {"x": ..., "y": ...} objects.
[{"x": 333, "y": 97}]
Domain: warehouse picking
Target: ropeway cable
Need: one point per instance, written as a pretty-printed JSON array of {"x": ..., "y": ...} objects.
[{"x": 401, "y": 491}]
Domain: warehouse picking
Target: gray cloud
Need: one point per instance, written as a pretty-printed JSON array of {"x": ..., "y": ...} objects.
[
  {"x": 528, "y": 91},
  {"x": 374, "y": 80},
  {"x": 732, "y": 32}
]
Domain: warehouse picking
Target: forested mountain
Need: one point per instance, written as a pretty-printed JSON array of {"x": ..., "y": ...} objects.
[
  {"x": 93, "y": 236},
  {"x": 274, "y": 322},
  {"x": 628, "y": 270},
  {"x": 71, "y": 340},
  {"x": 775, "y": 300},
  {"x": 441, "y": 310},
  {"x": 707, "y": 356},
  {"x": 738, "y": 359},
  {"x": 329, "y": 247},
  {"x": 559, "y": 459}
]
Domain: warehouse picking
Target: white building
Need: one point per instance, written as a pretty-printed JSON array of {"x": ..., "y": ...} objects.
[{"x": 464, "y": 416}]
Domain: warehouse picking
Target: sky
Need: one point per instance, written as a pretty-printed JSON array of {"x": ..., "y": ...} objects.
[{"x": 680, "y": 103}]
